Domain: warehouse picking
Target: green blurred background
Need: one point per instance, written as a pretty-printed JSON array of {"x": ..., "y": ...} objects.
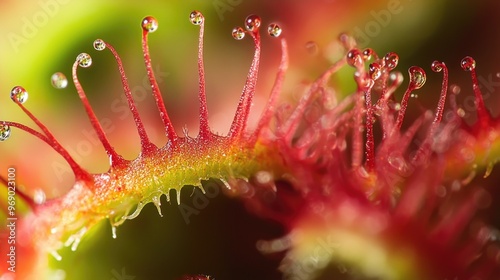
[{"x": 39, "y": 38}]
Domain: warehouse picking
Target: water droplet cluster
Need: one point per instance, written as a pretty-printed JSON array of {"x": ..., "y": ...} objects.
[{"x": 252, "y": 24}]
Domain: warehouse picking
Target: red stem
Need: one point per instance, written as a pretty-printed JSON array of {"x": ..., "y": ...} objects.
[
  {"x": 169, "y": 128},
  {"x": 273, "y": 98},
  {"x": 204, "y": 127},
  {"x": 146, "y": 144},
  {"x": 242, "y": 111},
  {"x": 114, "y": 156}
]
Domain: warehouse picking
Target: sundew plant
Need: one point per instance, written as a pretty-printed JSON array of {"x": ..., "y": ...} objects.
[{"x": 340, "y": 173}]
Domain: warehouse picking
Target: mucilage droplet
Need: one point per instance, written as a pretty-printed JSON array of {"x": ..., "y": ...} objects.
[
  {"x": 368, "y": 53},
  {"x": 252, "y": 23},
  {"x": 149, "y": 24},
  {"x": 355, "y": 58},
  {"x": 238, "y": 33},
  {"x": 4, "y": 132},
  {"x": 391, "y": 60},
  {"x": 375, "y": 71},
  {"x": 274, "y": 30},
  {"x": 196, "y": 18},
  {"x": 417, "y": 77},
  {"x": 59, "y": 80},
  {"x": 437, "y": 66},
  {"x": 18, "y": 94},
  {"x": 84, "y": 60},
  {"x": 468, "y": 63},
  {"x": 99, "y": 45}
]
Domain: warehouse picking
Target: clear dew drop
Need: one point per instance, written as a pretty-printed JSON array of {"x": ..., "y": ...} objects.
[
  {"x": 252, "y": 23},
  {"x": 437, "y": 66},
  {"x": 149, "y": 24},
  {"x": 4, "y": 132},
  {"x": 391, "y": 60},
  {"x": 238, "y": 33},
  {"x": 375, "y": 71},
  {"x": 18, "y": 94},
  {"x": 468, "y": 63},
  {"x": 354, "y": 58},
  {"x": 84, "y": 60},
  {"x": 196, "y": 18},
  {"x": 274, "y": 30},
  {"x": 417, "y": 77},
  {"x": 99, "y": 45},
  {"x": 59, "y": 80}
]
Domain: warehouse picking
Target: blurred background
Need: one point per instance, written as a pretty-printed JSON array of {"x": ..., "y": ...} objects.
[{"x": 40, "y": 38}]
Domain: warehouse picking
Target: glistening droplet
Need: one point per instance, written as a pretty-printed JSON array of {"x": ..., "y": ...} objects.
[
  {"x": 417, "y": 77},
  {"x": 84, "y": 60},
  {"x": 149, "y": 24},
  {"x": 437, "y": 66},
  {"x": 375, "y": 70},
  {"x": 4, "y": 132},
  {"x": 354, "y": 58},
  {"x": 18, "y": 94},
  {"x": 274, "y": 30},
  {"x": 252, "y": 23},
  {"x": 367, "y": 53},
  {"x": 59, "y": 80},
  {"x": 99, "y": 45},
  {"x": 238, "y": 33},
  {"x": 196, "y": 18},
  {"x": 391, "y": 60},
  {"x": 468, "y": 63}
]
